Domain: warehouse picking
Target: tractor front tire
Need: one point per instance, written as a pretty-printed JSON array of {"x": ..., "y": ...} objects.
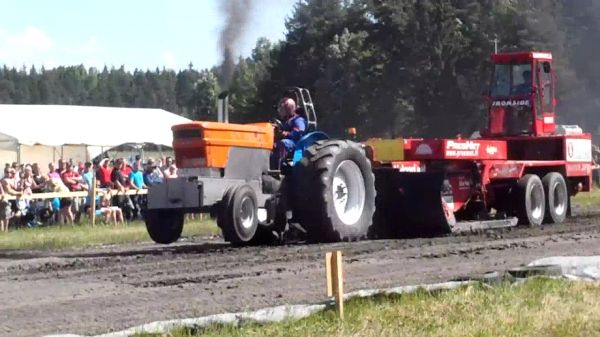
[
  {"x": 530, "y": 201},
  {"x": 164, "y": 225},
  {"x": 238, "y": 215},
  {"x": 557, "y": 198},
  {"x": 335, "y": 191}
]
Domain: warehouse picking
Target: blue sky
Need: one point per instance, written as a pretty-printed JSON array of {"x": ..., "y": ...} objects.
[{"x": 134, "y": 33}]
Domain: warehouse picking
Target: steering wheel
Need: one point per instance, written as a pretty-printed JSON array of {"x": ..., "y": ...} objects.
[{"x": 277, "y": 124}]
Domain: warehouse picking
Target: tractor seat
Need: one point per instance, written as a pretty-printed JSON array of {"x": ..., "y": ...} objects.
[{"x": 300, "y": 112}]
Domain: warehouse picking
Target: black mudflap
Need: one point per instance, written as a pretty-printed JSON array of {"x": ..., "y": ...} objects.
[{"x": 409, "y": 205}]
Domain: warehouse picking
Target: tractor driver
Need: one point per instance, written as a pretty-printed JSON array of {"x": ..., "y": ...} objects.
[
  {"x": 292, "y": 129},
  {"x": 525, "y": 87}
]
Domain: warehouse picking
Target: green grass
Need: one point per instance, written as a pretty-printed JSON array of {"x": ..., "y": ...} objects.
[
  {"x": 588, "y": 199},
  {"x": 67, "y": 236},
  {"x": 539, "y": 307}
]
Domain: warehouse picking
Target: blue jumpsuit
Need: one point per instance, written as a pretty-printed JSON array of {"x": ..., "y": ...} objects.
[{"x": 296, "y": 126}]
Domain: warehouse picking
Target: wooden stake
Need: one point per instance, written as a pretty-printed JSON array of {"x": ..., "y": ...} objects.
[
  {"x": 93, "y": 201},
  {"x": 335, "y": 279}
]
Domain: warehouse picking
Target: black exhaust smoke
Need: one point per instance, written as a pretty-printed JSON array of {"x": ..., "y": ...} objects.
[{"x": 236, "y": 14}]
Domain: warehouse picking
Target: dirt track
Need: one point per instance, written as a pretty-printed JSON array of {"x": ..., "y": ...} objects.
[{"x": 95, "y": 291}]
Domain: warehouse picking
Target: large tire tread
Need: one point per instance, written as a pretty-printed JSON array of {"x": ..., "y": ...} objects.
[
  {"x": 164, "y": 226},
  {"x": 313, "y": 205},
  {"x": 523, "y": 206},
  {"x": 551, "y": 181}
]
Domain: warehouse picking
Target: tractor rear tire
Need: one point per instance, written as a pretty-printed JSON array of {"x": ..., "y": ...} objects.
[
  {"x": 530, "y": 200},
  {"x": 238, "y": 215},
  {"x": 164, "y": 225},
  {"x": 334, "y": 191},
  {"x": 557, "y": 198}
]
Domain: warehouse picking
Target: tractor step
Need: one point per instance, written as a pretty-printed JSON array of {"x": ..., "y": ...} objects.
[{"x": 475, "y": 226}]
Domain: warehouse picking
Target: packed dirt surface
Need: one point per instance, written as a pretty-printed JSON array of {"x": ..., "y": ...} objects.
[{"x": 101, "y": 290}]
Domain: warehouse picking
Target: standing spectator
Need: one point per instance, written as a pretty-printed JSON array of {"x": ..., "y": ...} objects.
[
  {"x": 138, "y": 162},
  {"x": 17, "y": 168},
  {"x": 62, "y": 167},
  {"x": 168, "y": 162},
  {"x": 53, "y": 172},
  {"x": 10, "y": 187},
  {"x": 119, "y": 182},
  {"x": 72, "y": 179},
  {"x": 4, "y": 210},
  {"x": 136, "y": 180},
  {"x": 153, "y": 174},
  {"x": 74, "y": 183},
  {"x": 38, "y": 178},
  {"x": 27, "y": 206},
  {"x": 65, "y": 213},
  {"x": 171, "y": 172},
  {"x": 125, "y": 171},
  {"x": 27, "y": 183},
  {"x": 88, "y": 175},
  {"x": 104, "y": 174},
  {"x": 88, "y": 180},
  {"x": 117, "y": 178}
]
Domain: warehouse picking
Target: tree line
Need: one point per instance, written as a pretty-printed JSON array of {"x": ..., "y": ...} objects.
[{"x": 389, "y": 67}]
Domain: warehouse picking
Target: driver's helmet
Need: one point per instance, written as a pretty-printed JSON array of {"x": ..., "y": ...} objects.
[{"x": 287, "y": 105}]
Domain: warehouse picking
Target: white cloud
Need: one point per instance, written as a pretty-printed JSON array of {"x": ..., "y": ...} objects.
[
  {"x": 33, "y": 46},
  {"x": 17, "y": 49},
  {"x": 169, "y": 60}
]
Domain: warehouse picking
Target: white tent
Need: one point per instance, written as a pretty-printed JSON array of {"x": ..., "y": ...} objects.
[{"x": 41, "y": 133}]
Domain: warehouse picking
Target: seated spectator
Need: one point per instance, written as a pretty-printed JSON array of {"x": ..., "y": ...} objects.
[
  {"x": 152, "y": 175},
  {"x": 104, "y": 174},
  {"x": 110, "y": 213}
]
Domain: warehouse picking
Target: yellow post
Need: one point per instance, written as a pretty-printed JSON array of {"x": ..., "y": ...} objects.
[
  {"x": 335, "y": 279},
  {"x": 93, "y": 201}
]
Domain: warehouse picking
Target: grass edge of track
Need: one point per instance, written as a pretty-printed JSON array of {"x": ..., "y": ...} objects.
[{"x": 537, "y": 307}]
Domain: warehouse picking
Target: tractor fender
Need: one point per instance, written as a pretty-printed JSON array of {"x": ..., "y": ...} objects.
[{"x": 305, "y": 142}]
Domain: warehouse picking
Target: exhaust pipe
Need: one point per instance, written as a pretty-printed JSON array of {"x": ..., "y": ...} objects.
[{"x": 222, "y": 110}]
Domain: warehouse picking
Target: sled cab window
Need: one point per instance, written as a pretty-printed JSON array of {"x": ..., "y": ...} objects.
[{"x": 511, "y": 80}]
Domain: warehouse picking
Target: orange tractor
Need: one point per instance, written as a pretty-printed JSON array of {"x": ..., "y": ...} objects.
[
  {"x": 326, "y": 186},
  {"x": 523, "y": 168}
]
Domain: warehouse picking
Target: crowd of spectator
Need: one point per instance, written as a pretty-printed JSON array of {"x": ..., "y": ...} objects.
[{"x": 113, "y": 177}]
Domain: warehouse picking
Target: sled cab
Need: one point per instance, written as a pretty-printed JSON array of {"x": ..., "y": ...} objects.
[
  {"x": 522, "y": 95},
  {"x": 207, "y": 144}
]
